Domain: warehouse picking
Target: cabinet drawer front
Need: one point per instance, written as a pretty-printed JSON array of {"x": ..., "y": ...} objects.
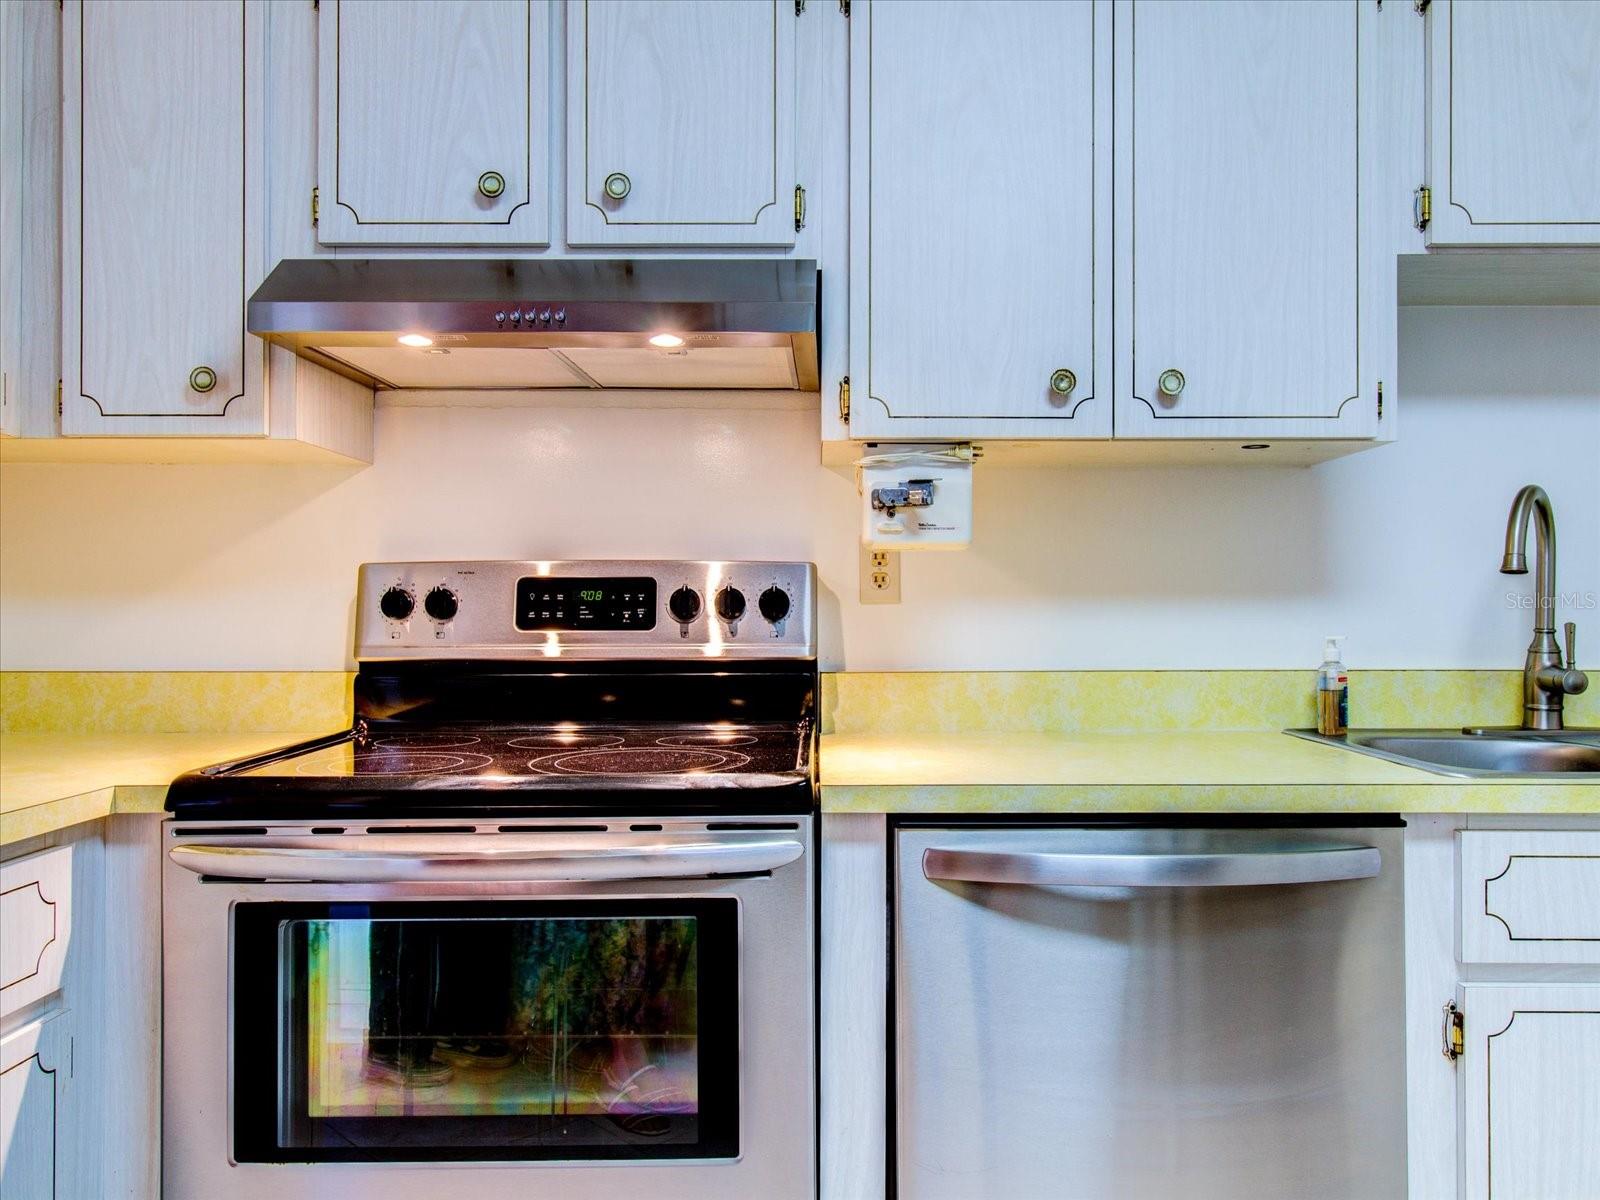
[
  {"x": 35, "y": 926},
  {"x": 1530, "y": 897}
]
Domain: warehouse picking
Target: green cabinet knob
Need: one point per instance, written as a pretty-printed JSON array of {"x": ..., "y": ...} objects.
[
  {"x": 491, "y": 184},
  {"x": 1062, "y": 381},
  {"x": 202, "y": 379},
  {"x": 1171, "y": 382},
  {"x": 618, "y": 185}
]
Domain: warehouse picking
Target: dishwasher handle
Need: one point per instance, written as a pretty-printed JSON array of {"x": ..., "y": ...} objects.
[
  {"x": 428, "y": 864},
  {"x": 1322, "y": 864}
]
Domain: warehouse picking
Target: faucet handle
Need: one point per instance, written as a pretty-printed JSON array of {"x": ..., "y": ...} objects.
[{"x": 1571, "y": 630}]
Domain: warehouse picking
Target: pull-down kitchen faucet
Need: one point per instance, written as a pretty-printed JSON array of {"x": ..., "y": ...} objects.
[{"x": 1545, "y": 681}]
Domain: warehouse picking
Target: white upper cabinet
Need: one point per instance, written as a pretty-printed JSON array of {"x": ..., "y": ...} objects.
[
  {"x": 980, "y": 189},
  {"x": 1514, "y": 122},
  {"x": 161, "y": 220},
  {"x": 1255, "y": 272},
  {"x": 680, "y": 122},
  {"x": 433, "y": 122}
]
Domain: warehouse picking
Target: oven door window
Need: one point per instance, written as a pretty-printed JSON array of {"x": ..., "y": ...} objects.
[{"x": 467, "y": 1030}]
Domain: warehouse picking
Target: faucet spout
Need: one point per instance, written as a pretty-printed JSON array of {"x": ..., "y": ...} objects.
[
  {"x": 1531, "y": 501},
  {"x": 1545, "y": 679}
]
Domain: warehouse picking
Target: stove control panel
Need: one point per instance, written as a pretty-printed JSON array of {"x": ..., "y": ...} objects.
[
  {"x": 586, "y": 609},
  {"x": 605, "y": 602}
]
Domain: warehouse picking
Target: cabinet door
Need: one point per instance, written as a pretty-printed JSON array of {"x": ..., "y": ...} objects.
[
  {"x": 36, "y": 1110},
  {"x": 1531, "y": 1074},
  {"x": 1514, "y": 122},
  {"x": 680, "y": 122},
  {"x": 434, "y": 122},
  {"x": 980, "y": 188},
  {"x": 1247, "y": 247},
  {"x": 12, "y": 100},
  {"x": 161, "y": 221}
]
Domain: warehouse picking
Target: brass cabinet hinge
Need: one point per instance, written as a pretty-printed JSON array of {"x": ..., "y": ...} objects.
[
  {"x": 1455, "y": 1031},
  {"x": 799, "y": 208},
  {"x": 1380, "y": 399},
  {"x": 316, "y": 205},
  {"x": 844, "y": 399},
  {"x": 1422, "y": 206}
]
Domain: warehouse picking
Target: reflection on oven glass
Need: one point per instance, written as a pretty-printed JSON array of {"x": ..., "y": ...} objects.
[{"x": 549, "y": 1017}]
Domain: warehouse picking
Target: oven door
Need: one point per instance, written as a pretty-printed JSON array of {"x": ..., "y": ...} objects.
[{"x": 559, "y": 1001}]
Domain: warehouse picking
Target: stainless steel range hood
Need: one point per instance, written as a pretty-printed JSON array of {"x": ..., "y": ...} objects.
[{"x": 540, "y": 323}]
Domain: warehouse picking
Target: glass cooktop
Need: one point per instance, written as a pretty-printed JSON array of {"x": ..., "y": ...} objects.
[{"x": 656, "y": 754}]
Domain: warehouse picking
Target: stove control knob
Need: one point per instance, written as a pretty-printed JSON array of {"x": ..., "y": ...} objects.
[
  {"x": 684, "y": 605},
  {"x": 730, "y": 603},
  {"x": 397, "y": 604},
  {"x": 774, "y": 604},
  {"x": 440, "y": 604}
]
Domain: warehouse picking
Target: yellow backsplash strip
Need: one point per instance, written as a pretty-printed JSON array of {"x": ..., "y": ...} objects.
[
  {"x": 92, "y": 702},
  {"x": 1129, "y": 701}
]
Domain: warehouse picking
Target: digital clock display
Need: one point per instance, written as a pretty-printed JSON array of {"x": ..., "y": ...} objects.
[{"x": 548, "y": 603}]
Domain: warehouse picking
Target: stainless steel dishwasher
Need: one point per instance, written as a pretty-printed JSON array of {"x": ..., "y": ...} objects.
[{"x": 1113, "y": 1013}]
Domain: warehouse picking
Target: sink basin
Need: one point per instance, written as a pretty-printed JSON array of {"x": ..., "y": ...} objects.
[{"x": 1568, "y": 754}]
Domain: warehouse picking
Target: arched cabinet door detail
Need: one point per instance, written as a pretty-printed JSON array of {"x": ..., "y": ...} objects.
[
  {"x": 680, "y": 123},
  {"x": 433, "y": 122}
]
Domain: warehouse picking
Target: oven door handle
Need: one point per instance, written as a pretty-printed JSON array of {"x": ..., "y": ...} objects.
[
  {"x": 448, "y": 863},
  {"x": 1325, "y": 864}
]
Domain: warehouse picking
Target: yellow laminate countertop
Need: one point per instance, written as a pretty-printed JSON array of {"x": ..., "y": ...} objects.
[
  {"x": 1207, "y": 771},
  {"x": 49, "y": 781}
]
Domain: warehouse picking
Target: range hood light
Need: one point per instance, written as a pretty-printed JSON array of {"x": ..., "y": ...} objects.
[
  {"x": 415, "y": 339},
  {"x": 667, "y": 341}
]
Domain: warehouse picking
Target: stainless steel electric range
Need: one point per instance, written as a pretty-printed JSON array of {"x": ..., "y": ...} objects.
[{"x": 543, "y": 917}]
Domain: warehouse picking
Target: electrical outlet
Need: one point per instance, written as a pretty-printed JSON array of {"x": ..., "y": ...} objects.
[{"x": 880, "y": 576}]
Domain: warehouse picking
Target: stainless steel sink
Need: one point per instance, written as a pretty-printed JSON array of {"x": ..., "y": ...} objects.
[{"x": 1467, "y": 753}]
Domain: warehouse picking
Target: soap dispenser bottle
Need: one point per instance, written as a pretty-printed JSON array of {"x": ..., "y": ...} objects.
[{"x": 1333, "y": 691}]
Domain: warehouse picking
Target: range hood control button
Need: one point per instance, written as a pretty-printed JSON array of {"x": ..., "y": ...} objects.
[
  {"x": 441, "y": 604},
  {"x": 397, "y": 604},
  {"x": 684, "y": 605},
  {"x": 730, "y": 604}
]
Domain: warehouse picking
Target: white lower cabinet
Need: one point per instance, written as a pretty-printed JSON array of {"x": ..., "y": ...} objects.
[
  {"x": 1528, "y": 1079},
  {"x": 80, "y": 1059},
  {"x": 1530, "y": 1090},
  {"x": 37, "y": 1111}
]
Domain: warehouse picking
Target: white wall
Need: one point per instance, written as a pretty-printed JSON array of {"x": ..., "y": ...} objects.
[{"x": 233, "y": 567}]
